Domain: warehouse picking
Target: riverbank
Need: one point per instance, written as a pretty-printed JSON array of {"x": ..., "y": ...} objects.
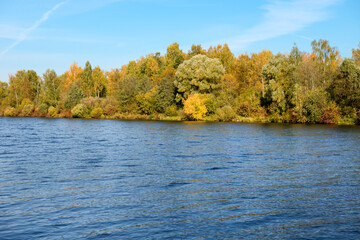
[{"x": 12, "y": 112}]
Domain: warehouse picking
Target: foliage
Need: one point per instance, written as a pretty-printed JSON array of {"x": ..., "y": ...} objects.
[
  {"x": 199, "y": 74},
  {"x": 194, "y": 107},
  {"x": 96, "y": 112},
  {"x": 212, "y": 84},
  {"x": 225, "y": 113},
  {"x": 52, "y": 111},
  {"x": 9, "y": 112},
  {"x": 28, "y": 109},
  {"x": 74, "y": 97},
  {"x": 79, "y": 111}
]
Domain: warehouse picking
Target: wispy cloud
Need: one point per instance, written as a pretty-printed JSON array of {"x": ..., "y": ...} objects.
[
  {"x": 27, "y": 31},
  {"x": 282, "y": 18}
]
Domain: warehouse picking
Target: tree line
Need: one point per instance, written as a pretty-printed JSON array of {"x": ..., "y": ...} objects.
[{"x": 212, "y": 84}]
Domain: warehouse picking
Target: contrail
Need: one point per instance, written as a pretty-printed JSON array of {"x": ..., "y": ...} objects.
[{"x": 25, "y": 33}]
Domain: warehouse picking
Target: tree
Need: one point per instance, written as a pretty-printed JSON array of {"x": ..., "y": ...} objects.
[
  {"x": 199, "y": 74},
  {"x": 327, "y": 57},
  {"x": 74, "y": 96},
  {"x": 35, "y": 82},
  {"x": 99, "y": 81},
  {"x": 51, "y": 87},
  {"x": 127, "y": 89},
  {"x": 345, "y": 88},
  {"x": 356, "y": 54},
  {"x": 19, "y": 88},
  {"x": 165, "y": 96},
  {"x": 194, "y": 107},
  {"x": 223, "y": 53},
  {"x": 3, "y": 91},
  {"x": 72, "y": 75},
  {"x": 195, "y": 50},
  {"x": 87, "y": 80},
  {"x": 174, "y": 56}
]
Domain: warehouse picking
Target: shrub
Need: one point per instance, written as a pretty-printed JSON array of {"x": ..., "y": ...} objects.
[
  {"x": 194, "y": 107},
  {"x": 43, "y": 108},
  {"x": 9, "y": 112},
  {"x": 25, "y": 102},
  {"x": 96, "y": 112},
  {"x": 28, "y": 109},
  {"x": 330, "y": 115},
  {"x": 109, "y": 110},
  {"x": 225, "y": 113},
  {"x": 79, "y": 111},
  {"x": 171, "y": 110},
  {"x": 52, "y": 111}
]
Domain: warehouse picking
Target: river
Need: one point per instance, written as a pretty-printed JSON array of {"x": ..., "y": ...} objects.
[{"x": 108, "y": 179}]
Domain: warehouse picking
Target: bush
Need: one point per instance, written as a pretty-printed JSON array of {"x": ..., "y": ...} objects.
[
  {"x": 79, "y": 111},
  {"x": 9, "y": 112},
  {"x": 25, "y": 102},
  {"x": 171, "y": 110},
  {"x": 109, "y": 110},
  {"x": 43, "y": 108},
  {"x": 194, "y": 107},
  {"x": 330, "y": 115},
  {"x": 52, "y": 111},
  {"x": 225, "y": 113},
  {"x": 96, "y": 112},
  {"x": 28, "y": 109}
]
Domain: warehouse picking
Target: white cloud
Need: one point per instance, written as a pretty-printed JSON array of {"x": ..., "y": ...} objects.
[
  {"x": 24, "y": 34},
  {"x": 282, "y": 18}
]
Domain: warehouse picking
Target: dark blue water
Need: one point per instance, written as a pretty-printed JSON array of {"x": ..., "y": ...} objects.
[{"x": 94, "y": 179}]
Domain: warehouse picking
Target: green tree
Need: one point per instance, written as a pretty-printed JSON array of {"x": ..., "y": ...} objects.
[
  {"x": 3, "y": 91},
  {"x": 87, "y": 83},
  {"x": 174, "y": 56},
  {"x": 165, "y": 96},
  {"x": 51, "y": 87},
  {"x": 223, "y": 53},
  {"x": 199, "y": 74},
  {"x": 127, "y": 89},
  {"x": 346, "y": 86},
  {"x": 74, "y": 96}
]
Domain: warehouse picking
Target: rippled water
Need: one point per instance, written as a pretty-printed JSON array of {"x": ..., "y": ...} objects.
[{"x": 71, "y": 179}]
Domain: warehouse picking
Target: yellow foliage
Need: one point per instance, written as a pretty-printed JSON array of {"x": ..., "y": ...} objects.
[
  {"x": 72, "y": 75},
  {"x": 194, "y": 107}
]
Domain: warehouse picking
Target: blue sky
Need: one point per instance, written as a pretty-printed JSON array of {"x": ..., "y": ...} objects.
[{"x": 42, "y": 34}]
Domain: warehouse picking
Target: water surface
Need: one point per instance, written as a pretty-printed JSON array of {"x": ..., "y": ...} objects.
[{"x": 94, "y": 179}]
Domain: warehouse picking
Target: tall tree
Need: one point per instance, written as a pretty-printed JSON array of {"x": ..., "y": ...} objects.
[
  {"x": 51, "y": 87},
  {"x": 174, "y": 56},
  {"x": 199, "y": 74},
  {"x": 99, "y": 81},
  {"x": 87, "y": 84},
  {"x": 356, "y": 54}
]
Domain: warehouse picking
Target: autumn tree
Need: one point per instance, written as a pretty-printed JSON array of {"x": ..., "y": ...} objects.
[
  {"x": 99, "y": 81},
  {"x": 327, "y": 57},
  {"x": 87, "y": 83},
  {"x": 72, "y": 75},
  {"x": 194, "y": 107},
  {"x": 195, "y": 50},
  {"x": 200, "y": 74},
  {"x": 19, "y": 88},
  {"x": 356, "y": 54},
  {"x": 166, "y": 92},
  {"x": 51, "y": 89},
  {"x": 223, "y": 53},
  {"x": 174, "y": 56},
  {"x": 3, "y": 91},
  {"x": 346, "y": 85}
]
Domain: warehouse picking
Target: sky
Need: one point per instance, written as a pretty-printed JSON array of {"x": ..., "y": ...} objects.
[{"x": 52, "y": 34}]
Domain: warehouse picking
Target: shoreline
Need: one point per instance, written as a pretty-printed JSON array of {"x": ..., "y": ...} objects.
[{"x": 160, "y": 118}]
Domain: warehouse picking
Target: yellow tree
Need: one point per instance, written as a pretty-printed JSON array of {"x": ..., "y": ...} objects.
[
  {"x": 258, "y": 60},
  {"x": 356, "y": 54},
  {"x": 194, "y": 107},
  {"x": 99, "y": 82},
  {"x": 72, "y": 75},
  {"x": 223, "y": 53}
]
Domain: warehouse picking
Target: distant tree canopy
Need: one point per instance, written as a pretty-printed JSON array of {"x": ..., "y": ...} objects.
[{"x": 202, "y": 84}]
